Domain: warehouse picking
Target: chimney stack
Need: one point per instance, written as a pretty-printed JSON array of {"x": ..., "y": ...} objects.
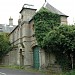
[
  {"x": 10, "y": 21},
  {"x": 19, "y": 21}
]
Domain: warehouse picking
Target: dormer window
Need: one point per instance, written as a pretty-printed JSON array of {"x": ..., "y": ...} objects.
[{"x": 1, "y": 30}]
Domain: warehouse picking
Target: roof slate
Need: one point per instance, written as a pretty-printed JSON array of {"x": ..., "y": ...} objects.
[
  {"x": 6, "y": 28},
  {"x": 53, "y": 10}
]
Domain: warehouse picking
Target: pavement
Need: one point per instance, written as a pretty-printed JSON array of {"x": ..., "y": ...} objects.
[{"x": 4, "y": 71}]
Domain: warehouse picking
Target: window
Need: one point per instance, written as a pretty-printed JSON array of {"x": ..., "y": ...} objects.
[
  {"x": 1, "y": 30},
  {"x": 22, "y": 17}
]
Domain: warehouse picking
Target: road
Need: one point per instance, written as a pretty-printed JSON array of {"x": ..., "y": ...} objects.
[{"x": 15, "y": 72}]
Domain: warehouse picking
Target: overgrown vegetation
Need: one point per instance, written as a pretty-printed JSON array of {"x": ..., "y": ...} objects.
[
  {"x": 61, "y": 41},
  {"x": 44, "y": 22},
  {"x": 4, "y": 44},
  {"x": 72, "y": 72},
  {"x": 55, "y": 38}
]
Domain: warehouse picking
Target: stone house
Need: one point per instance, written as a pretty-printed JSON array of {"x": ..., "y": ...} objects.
[{"x": 26, "y": 51}]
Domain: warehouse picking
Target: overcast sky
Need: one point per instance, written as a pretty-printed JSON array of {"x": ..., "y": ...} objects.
[{"x": 12, "y": 7}]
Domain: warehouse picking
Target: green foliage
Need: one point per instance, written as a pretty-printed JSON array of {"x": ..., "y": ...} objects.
[
  {"x": 53, "y": 37},
  {"x": 44, "y": 21},
  {"x": 61, "y": 42},
  {"x": 61, "y": 38},
  {"x": 4, "y": 44},
  {"x": 72, "y": 72}
]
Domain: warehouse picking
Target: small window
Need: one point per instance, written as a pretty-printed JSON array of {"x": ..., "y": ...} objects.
[
  {"x": 1, "y": 30},
  {"x": 33, "y": 27},
  {"x": 22, "y": 17}
]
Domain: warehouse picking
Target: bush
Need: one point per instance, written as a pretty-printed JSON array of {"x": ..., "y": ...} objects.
[{"x": 70, "y": 73}]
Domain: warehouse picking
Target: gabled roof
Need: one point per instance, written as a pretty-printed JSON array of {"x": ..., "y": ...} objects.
[
  {"x": 53, "y": 10},
  {"x": 9, "y": 28},
  {"x": 47, "y": 6}
]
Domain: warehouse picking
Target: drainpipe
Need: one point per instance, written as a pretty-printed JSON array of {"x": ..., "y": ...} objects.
[{"x": 39, "y": 58}]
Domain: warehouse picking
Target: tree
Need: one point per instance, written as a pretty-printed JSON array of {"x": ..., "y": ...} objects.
[
  {"x": 4, "y": 44},
  {"x": 61, "y": 42},
  {"x": 61, "y": 37}
]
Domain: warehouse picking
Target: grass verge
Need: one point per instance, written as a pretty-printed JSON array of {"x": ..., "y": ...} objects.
[{"x": 45, "y": 72}]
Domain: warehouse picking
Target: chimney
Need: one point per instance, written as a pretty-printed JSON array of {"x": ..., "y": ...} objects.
[
  {"x": 19, "y": 21},
  {"x": 27, "y": 12},
  {"x": 10, "y": 21}
]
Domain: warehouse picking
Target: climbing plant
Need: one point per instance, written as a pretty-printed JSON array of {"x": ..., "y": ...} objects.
[
  {"x": 53, "y": 37},
  {"x": 44, "y": 21}
]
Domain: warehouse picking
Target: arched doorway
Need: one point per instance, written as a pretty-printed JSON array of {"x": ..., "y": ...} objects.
[
  {"x": 21, "y": 58},
  {"x": 36, "y": 63}
]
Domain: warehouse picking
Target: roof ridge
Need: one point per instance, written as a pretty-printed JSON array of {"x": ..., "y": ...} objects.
[{"x": 53, "y": 9}]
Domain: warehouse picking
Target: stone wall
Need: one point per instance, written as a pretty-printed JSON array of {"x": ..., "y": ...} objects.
[
  {"x": 63, "y": 20},
  {"x": 10, "y": 58}
]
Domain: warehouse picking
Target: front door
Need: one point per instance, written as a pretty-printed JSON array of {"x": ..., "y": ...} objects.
[{"x": 36, "y": 57}]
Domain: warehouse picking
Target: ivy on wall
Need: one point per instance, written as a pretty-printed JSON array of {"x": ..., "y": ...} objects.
[
  {"x": 44, "y": 21},
  {"x": 53, "y": 37}
]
